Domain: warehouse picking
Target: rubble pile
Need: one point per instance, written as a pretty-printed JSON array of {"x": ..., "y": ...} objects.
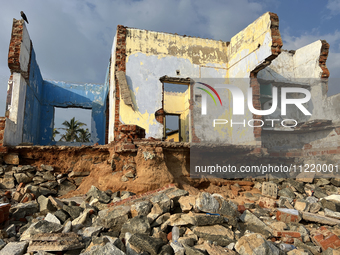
[
  {"x": 279, "y": 216},
  {"x": 29, "y": 182}
]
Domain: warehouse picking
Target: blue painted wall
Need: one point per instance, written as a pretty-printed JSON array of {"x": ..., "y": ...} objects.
[
  {"x": 31, "y": 130},
  {"x": 42, "y": 96}
]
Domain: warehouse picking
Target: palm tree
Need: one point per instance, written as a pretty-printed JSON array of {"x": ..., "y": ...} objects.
[
  {"x": 55, "y": 132},
  {"x": 84, "y": 135},
  {"x": 73, "y": 127}
]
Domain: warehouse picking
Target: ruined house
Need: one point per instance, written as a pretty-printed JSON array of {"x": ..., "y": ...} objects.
[{"x": 132, "y": 104}]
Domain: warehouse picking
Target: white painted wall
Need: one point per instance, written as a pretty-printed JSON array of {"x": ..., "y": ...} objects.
[{"x": 15, "y": 122}]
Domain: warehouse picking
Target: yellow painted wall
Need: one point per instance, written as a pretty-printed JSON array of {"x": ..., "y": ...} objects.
[
  {"x": 239, "y": 59},
  {"x": 173, "y": 136},
  {"x": 178, "y": 103}
]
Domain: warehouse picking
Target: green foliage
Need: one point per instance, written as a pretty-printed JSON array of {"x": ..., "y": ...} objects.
[{"x": 75, "y": 132}]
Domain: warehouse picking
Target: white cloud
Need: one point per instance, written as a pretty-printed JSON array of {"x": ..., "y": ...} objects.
[
  {"x": 73, "y": 39},
  {"x": 333, "y": 6}
]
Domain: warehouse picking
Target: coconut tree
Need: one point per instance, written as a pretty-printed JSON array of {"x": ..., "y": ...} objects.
[
  {"x": 55, "y": 132},
  {"x": 72, "y": 127},
  {"x": 84, "y": 135}
]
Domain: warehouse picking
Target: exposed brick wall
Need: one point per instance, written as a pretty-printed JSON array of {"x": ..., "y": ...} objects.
[
  {"x": 2, "y": 130},
  {"x": 323, "y": 59},
  {"x": 276, "y": 50},
  {"x": 120, "y": 65},
  {"x": 15, "y": 46}
]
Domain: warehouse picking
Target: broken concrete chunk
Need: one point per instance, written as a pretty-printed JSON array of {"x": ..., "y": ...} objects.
[
  {"x": 51, "y": 218},
  {"x": 144, "y": 243},
  {"x": 200, "y": 219},
  {"x": 269, "y": 189},
  {"x": 141, "y": 208},
  {"x": 207, "y": 203},
  {"x": 138, "y": 224},
  {"x": 45, "y": 205},
  {"x": 187, "y": 203},
  {"x": 46, "y": 167},
  {"x": 95, "y": 193},
  {"x": 66, "y": 187},
  {"x": 14, "y": 248},
  {"x": 319, "y": 219},
  {"x": 217, "y": 233},
  {"x": 42, "y": 226},
  {"x": 253, "y": 244},
  {"x": 288, "y": 215},
  {"x": 55, "y": 242}
]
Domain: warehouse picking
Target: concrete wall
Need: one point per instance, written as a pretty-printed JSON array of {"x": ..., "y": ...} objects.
[
  {"x": 88, "y": 96},
  {"x": 31, "y": 100},
  {"x": 151, "y": 55}
]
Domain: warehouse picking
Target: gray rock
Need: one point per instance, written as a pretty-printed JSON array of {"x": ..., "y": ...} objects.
[
  {"x": 91, "y": 231},
  {"x": 125, "y": 194},
  {"x": 166, "y": 250},
  {"x": 336, "y": 182},
  {"x": 22, "y": 177},
  {"x": 61, "y": 215},
  {"x": 45, "y": 205},
  {"x": 141, "y": 208},
  {"x": 48, "y": 176},
  {"x": 252, "y": 244},
  {"x": 14, "y": 248},
  {"x": 145, "y": 243},
  {"x": 38, "y": 180},
  {"x": 115, "y": 218},
  {"x": 319, "y": 193},
  {"x": 24, "y": 209},
  {"x": 106, "y": 249},
  {"x": 331, "y": 205},
  {"x": 287, "y": 192},
  {"x": 52, "y": 218},
  {"x": 82, "y": 221},
  {"x": 47, "y": 192},
  {"x": 163, "y": 201},
  {"x": 254, "y": 224},
  {"x": 95, "y": 193},
  {"x": 46, "y": 167},
  {"x": 2, "y": 242},
  {"x": 7, "y": 183},
  {"x": 199, "y": 219},
  {"x": 176, "y": 194},
  {"x": 49, "y": 185},
  {"x": 11, "y": 231},
  {"x": 65, "y": 187},
  {"x": 67, "y": 227},
  {"x": 314, "y": 207},
  {"x": 207, "y": 203},
  {"x": 73, "y": 211},
  {"x": 217, "y": 233},
  {"x": 192, "y": 251},
  {"x": 42, "y": 226},
  {"x": 138, "y": 224}
]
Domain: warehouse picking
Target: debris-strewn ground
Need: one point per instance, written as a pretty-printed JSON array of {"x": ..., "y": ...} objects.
[{"x": 253, "y": 216}]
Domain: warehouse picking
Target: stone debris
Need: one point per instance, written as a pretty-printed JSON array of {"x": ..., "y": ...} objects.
[{"x": 269, "y": 217}]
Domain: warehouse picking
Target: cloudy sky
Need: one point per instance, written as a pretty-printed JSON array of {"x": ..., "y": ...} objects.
[{"x": 73, "y": 38}]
